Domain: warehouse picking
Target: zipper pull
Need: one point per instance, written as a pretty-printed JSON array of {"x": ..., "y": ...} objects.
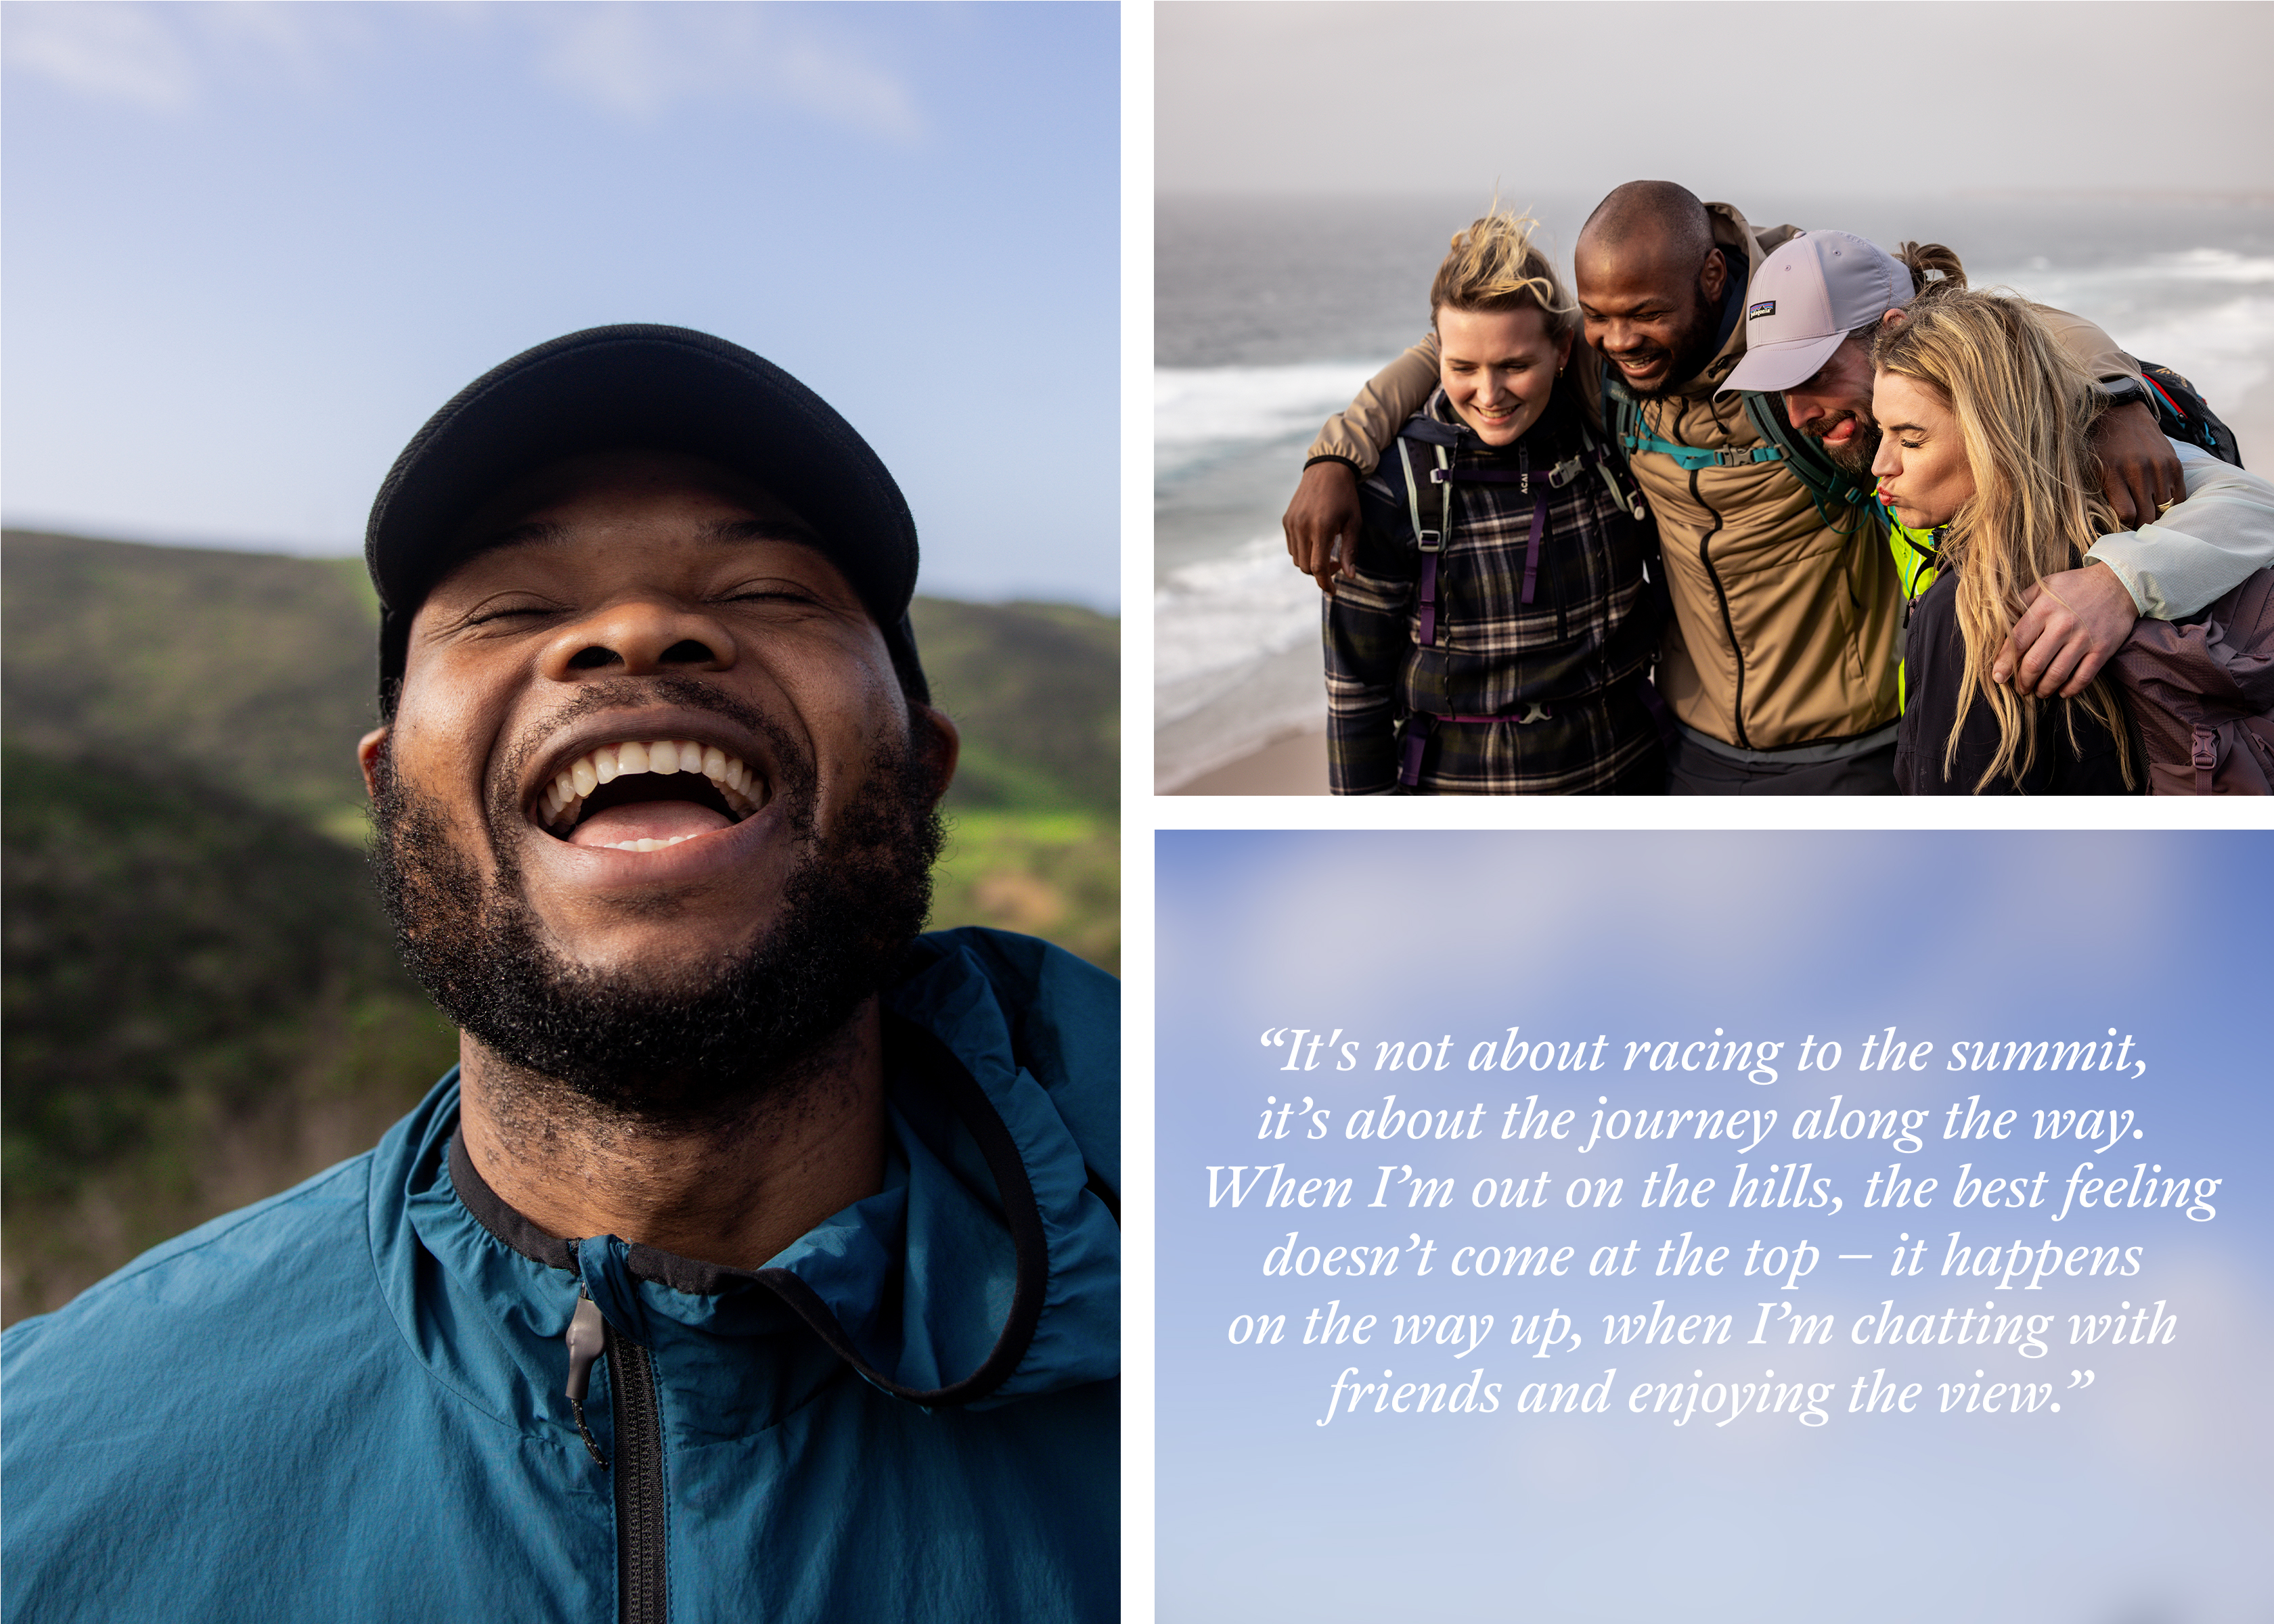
[{"x": 587, "y": 1338}]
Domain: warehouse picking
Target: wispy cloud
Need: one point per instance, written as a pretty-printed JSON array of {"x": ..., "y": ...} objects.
[
  {"x": 622, "y": 60},
  {"x": 114, "y": 53},
  {"x": 635, "y": 60},
  {"x": 176, "y": 58}
]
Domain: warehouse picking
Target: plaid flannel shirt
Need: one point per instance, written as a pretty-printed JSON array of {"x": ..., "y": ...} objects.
[{"x": 1505, "y": 697}]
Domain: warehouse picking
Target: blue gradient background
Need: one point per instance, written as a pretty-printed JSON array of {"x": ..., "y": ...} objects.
[{"x": 2145, "y": 1497}]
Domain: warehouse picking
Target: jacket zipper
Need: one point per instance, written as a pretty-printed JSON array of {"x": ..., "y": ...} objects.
[
  {"x": 1721, "y": 596},
  {"x": 643, "y": 1568}
]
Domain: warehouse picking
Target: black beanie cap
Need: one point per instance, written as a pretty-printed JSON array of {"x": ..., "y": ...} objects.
[{"x": 661, "y": 388}]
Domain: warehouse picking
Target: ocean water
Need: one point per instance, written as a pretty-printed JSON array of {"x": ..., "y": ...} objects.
[{"x": 1270, "y": 313}]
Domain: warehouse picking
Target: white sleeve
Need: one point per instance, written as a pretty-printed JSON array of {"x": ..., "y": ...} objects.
[{"x": 2202, "y": 548}]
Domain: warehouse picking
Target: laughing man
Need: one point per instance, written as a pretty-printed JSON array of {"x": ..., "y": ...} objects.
[{"x": 759, "y": 1258}]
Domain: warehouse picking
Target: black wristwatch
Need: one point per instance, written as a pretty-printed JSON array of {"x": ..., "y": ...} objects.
[{"x": 2121, "y": 392}]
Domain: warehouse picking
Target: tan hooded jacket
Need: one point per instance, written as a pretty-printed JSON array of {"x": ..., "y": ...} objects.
[{"x": 1786, "y": 632}]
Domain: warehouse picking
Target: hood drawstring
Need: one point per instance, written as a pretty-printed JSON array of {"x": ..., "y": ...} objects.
[{"x": 586, "y": 1339}]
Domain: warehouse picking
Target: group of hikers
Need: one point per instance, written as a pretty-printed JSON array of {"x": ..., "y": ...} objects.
[{"x": 1768, "y": 511}]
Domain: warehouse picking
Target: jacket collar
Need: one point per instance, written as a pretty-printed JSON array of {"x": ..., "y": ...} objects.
[
  {"x": 1743, "y": 254},
  {"x": 919, "y": 1280}
]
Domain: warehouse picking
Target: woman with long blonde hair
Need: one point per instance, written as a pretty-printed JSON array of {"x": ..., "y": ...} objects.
[{"x": 1986, "y": 441}]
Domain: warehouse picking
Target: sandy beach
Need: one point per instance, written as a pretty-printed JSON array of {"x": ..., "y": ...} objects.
[{"x": 1296, "y": 766}]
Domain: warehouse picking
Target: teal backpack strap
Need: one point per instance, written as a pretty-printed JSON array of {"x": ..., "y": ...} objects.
[
  {"x": 1635, "y": 435},
  {"x": 1691, "y": 458}
]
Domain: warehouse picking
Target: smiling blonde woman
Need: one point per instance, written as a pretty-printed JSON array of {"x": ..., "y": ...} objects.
[{"x": 1495, "y": 632}]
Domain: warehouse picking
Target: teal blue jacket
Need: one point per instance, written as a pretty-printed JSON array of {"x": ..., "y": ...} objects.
[{"x": 348, "y": 1402}]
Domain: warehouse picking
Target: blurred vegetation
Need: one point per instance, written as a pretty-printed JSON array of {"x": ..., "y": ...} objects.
[{"x": 201, "y": 1001}]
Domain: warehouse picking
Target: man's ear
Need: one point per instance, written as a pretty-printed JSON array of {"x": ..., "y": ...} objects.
[
  {"x": 1894, "y": 314},
  {"x": 1713, "y": 275},
  {"x": 937, "y": 744},
  {"x": 368, "y": 750}
]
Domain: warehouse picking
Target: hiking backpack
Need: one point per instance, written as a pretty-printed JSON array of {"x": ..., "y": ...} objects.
[
  {"x": 2183, "y": 415},
  {"x": 2203, "y": 694}
]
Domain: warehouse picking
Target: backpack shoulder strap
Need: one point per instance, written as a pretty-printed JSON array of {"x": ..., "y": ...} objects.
[
  {"x": 1431, "y": 542},
  {"x": 1827, "y": 483},
  {"x": 1624, "y": 415},
  {"x": 1627, "y": 495}
]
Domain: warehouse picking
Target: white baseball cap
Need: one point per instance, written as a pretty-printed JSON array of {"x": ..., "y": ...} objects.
[{"x": 1807, "y": 297}]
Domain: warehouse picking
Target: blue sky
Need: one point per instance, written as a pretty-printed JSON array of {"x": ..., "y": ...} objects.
[
  {"x": 250, "y": 248},
  {"x": 2145, "y": 1497}
]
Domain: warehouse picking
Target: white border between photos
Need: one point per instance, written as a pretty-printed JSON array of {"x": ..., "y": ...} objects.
[
  {"x": 1138, "y": 1181},
  {"x": 1693, "y": 812}
]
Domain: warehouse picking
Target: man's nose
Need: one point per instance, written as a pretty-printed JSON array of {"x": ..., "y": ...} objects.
[{"x": 639, "y": 637}]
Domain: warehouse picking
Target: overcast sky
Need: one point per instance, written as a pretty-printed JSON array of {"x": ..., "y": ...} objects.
[
  {"x": 1863, "y": 98},
  {"x": 250, "y": 248}
]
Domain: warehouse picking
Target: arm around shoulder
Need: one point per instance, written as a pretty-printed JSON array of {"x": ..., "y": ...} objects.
[
  {"x": 1362, "y": 430},
  {"x": 2202, "y": 548},
  {"x": 2089, "y": 345}
]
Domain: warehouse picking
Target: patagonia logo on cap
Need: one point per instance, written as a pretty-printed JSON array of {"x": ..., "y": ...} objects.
[{"x": 1767, "y": 307}]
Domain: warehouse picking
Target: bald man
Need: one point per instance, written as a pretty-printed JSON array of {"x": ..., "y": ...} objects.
[{"x": 1779, "y": 665}]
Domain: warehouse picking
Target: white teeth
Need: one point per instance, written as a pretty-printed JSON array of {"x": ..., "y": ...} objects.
[
  {"x": 733, "y": 778},
  {"x": 646, "y": 846}
]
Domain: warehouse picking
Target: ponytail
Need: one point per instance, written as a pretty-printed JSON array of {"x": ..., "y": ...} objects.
[{"x": 1926, "y": 259}]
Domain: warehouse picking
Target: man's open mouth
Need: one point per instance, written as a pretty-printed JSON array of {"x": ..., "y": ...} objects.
[{"x": 644, "y": 794}]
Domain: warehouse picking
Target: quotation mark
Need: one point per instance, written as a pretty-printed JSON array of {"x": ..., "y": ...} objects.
[
  {"x": 2079, "y": 1378},
  {"x": 1276, "y": 1037}
]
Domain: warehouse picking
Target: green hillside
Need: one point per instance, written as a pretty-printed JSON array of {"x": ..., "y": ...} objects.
[
  {"x": 201, "y": 1006},
  {"x": 256, "y": 672},
  {"x": 201, "y": 1001}
]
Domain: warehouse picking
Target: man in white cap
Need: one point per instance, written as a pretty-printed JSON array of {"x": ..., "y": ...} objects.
[{"x": 1809, "y": 316}]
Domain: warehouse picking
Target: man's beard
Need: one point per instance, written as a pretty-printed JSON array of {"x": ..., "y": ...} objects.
[
  {"x": 1857, "y": 456},
  {"x": 1692, "y": 348},
  {"x": 684, "y": 1050}
]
